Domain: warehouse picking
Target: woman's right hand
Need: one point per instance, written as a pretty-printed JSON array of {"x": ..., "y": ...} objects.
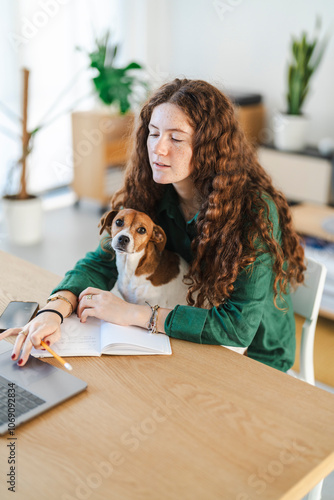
[{"x": 45, "y": 327}]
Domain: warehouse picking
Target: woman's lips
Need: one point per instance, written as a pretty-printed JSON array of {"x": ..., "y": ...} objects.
[{"x": 161, "y": 165}]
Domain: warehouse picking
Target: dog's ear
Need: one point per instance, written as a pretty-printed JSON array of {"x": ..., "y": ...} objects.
[
  {"x": 106, "y": 221},
  {"x": 159, "y": 238}
]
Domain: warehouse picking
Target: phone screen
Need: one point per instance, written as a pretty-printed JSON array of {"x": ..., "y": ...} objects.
[{"x": 17, "y": 314}]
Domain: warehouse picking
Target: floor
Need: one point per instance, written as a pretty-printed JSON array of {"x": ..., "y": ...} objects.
[{"x": 69, "y": 232}]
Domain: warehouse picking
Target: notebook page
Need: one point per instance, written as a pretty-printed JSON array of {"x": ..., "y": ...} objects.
[
  {"x": 77, "y": 339},
  {"x": 117, "y": 339}
]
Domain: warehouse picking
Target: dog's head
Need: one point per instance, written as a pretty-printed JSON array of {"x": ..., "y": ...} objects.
[{"x": 131, "y": 231}]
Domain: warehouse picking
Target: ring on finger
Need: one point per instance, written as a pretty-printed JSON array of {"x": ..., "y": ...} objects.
[
  {"x": 23, "y": 332},
  {"x": 89, "y": 297}
]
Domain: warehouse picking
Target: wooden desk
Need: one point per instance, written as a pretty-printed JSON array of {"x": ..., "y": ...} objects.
[
  {"x": 308, "y": 219},
  {"x": 204, "y": 423}
]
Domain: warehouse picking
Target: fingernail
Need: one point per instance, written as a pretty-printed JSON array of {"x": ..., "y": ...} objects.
[
  {"x": 20, "y": 362},
  {"x": 13, "y": 356},
  {"x": 47, "y": 342}
]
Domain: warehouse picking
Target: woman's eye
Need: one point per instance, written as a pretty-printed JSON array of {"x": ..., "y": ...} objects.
[
  {"x": 153, "y": 135},
  {"x": 119, "y": 222},
  {"x": 141, "y": 230},
  {"x": 176, "y": 140}
]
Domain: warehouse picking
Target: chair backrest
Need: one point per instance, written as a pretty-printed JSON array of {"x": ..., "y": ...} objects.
[
  {"x": 306, "y": 302},
  {"x": 307, "y": 297}
]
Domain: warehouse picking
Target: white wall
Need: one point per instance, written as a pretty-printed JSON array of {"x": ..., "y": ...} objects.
[
  {"x": 245, "y": 44},
  {"x": 9, "y": 126},
  {"x": 236, "y": 44},
  {"x": 42, "y": 35}
]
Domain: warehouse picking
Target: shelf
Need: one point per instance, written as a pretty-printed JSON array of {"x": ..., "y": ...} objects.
[
  {"x": 308, "y": 151},
  {"x": 308, "y": 219},
  {"x": 301, "y": 177},
  {"x": 100, "y": 141}
]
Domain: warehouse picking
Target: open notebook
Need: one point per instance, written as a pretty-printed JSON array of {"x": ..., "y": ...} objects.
[{"x": 96, "y": 337}]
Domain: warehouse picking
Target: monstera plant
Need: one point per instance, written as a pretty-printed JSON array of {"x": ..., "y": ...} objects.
[{"x": 116, "y": 86}]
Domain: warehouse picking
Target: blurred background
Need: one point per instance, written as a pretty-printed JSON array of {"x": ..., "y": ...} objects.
[
  {"x": 61, "y": 124},
  {"x": 238, "y": 45},
  {"x": 63, "y": 121}
]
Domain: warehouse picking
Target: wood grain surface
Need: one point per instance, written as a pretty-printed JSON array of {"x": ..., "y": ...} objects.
[{"x": 204, "y": 423}]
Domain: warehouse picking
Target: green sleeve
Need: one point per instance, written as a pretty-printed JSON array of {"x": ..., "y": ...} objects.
[
  {"x": 96, "y": 269},
  {"x": 236, "y": 321}
]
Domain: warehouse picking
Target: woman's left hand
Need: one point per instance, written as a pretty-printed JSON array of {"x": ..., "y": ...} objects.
[{"x": 103, "y": 305}]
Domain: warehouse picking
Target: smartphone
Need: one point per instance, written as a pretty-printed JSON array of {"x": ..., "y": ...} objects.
[{"x": 17, "y": 314}]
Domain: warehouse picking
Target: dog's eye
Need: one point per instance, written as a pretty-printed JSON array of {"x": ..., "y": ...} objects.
[
  {"x": 119, "y": 222},
  {"x": 141, "y": 230}
]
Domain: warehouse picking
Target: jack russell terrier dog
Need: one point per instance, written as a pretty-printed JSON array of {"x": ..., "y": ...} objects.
[{"x": 147, "y": 272}]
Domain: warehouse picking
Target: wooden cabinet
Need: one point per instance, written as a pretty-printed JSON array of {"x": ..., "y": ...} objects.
[
  {"x": 100, "y": 142},
  {"x": 303, "y": 177}
]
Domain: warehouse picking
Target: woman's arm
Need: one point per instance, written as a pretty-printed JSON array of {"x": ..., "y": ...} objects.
[
  {"x": 97, "y": 269},
  {"x": 45, "y": 327},
  {"x": 235, "y": 322},
  {"x": 104, "y": 305},
  {"x": 248, "y": 318}
]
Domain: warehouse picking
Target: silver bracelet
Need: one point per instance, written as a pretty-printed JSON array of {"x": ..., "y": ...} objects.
[{"x": 152, "y": 324}]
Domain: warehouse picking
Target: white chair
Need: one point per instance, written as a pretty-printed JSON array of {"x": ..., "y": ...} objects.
[{"x": 306, "y": 302}]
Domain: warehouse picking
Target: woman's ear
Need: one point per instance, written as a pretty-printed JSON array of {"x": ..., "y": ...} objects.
[
  {"x": 106, "y": 221},
  {"x": 159, "y": 238}
]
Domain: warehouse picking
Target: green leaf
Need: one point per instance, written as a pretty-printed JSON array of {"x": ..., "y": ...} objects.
[
  {"x": 133, "y": 65},
  {"x": 114, "y": 85},
  {"x": 306, "y": 57}
]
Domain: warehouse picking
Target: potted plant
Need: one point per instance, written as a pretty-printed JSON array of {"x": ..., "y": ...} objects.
[
  {"x": 290, "y": 128},
  {"x": 23, "y": 211},
  {"x": 116, "y": 86},
  {"x": 105, "y": 130}
]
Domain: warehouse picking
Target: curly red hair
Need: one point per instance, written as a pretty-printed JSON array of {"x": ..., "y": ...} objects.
[{"x": 233, "y": 225}]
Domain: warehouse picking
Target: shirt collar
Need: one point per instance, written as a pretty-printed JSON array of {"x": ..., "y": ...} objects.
[{"x": 170, "y": 204}]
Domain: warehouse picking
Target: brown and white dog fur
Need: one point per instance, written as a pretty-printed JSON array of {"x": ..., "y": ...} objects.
[{"x": 147, "y": 272}]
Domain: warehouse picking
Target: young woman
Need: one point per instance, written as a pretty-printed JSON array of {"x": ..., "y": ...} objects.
[{"x": 194, "y": 173}]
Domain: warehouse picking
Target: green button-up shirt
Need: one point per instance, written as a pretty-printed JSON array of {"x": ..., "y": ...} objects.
[{"x": 248, "y": 318}]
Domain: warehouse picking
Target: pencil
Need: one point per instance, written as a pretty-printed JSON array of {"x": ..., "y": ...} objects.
[{"x": 55, "y": 355}]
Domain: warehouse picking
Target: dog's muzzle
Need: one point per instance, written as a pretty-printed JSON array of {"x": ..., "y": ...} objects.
[{"x": 122, "y": 242}]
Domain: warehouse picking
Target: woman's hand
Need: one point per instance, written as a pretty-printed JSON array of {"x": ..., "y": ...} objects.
[
  {"x": 104, "y": 305},
  {"x": 45, "y": 327}
]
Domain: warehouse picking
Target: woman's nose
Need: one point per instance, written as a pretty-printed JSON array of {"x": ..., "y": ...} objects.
[{"x": 160, "y": 147}]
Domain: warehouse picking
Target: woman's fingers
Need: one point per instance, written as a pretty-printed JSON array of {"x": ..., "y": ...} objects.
[
  {"x": 31, "y": 335},
  {"x": 86, "y": 313},
  {"x": 25, "y": 353},
  {"x": 20, "y": 339},
  {"x": 9, "y": 332},
  {"x": 89, "y": 291},
  {"x": 49, "y": 333},
  {"x": 41, "y": 334},
  {"x": 33, "y": 340},
  {"x": 87, "y": 299}
]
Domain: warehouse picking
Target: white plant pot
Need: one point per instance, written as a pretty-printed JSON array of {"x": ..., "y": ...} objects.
[
  {"x": 23, "y": 220},
  {"x": 290, "y": 132}
]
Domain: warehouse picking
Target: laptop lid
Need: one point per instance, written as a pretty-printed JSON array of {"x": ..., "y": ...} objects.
[{"x": 32, "y": 389}]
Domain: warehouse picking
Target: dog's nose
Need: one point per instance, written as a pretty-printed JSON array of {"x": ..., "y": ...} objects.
[{"x": 123, "y": 240}]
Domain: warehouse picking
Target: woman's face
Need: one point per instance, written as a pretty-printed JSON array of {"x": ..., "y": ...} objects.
[{"x": 169, "y": 144}]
